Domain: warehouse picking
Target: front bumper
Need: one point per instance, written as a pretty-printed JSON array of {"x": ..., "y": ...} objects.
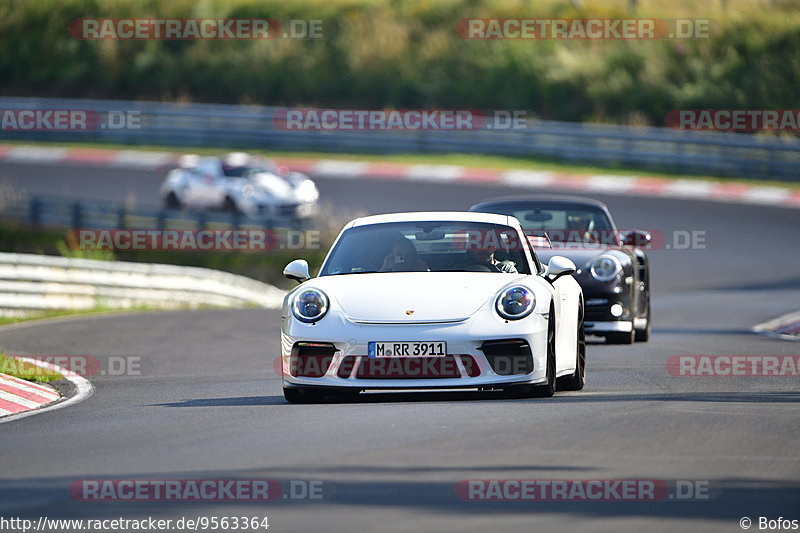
[
  {"x": 470, "y": 362},
  {"x": 624, "y": 326}
]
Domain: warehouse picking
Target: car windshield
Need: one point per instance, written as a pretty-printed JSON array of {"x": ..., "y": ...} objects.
[
  {"x": 244, "y": 171},
  {"x": 560, "y": 222},
  {"x": 435, "y": 246}
]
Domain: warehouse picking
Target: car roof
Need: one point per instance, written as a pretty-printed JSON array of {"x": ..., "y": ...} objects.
[
  {"x": 444, "y": 216},
  {"x": 543, "y": 198}
]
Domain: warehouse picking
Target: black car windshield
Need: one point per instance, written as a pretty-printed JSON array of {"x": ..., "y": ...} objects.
[
  {"x": 428, "y": 246},
  {"x": 561, "y": 222},
  {"x": 244, "y": 171}
]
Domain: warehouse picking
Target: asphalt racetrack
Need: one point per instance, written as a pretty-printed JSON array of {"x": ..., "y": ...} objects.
[{"x": 209, "y": 405}]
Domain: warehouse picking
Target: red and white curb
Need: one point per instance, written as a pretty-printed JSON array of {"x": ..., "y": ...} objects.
[
  {"x": 785, "y": 327},
  {"x": 20, "y": 398},
  {"x": 534, "y": 180},
  {"x": 17, "y": 395},
  {"x": 733, "y": 192}
]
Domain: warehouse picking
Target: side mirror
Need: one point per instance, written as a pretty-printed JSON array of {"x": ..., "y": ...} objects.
[
  {"x": 297, "y": 270},
  {"x": 636, "y": 238},
  {"x": 557, "y": 267}
]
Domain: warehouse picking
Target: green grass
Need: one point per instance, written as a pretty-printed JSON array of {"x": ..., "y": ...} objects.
[
  {"x": 39, "y": 315},
  {"x": 19, "y": 369},
  {"x": 467, "y": 160}
]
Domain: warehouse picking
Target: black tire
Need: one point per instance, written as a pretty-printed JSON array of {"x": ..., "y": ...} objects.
[
  {"x": 172, "y": 201},
  {"x": 620, "y": 337},
  {"x": 643, "y": 334},
  {"x": 549, "y": 388},
  {"x": 303, "y": 395},
  {"x": 230, "y": 206},
  {"x": 577, "y": 380}
]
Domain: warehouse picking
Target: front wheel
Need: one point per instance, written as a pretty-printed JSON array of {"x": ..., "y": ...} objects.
[
  {"x": 643, "y": 334},
  {"x": 172, "y": 201},
  {"x": 549, "y": 388},
  {"x": 577, "y": 380},
  {"x": 229, "y": 206}
]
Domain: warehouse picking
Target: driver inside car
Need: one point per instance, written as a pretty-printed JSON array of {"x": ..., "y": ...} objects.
[
  {"x": 580, "y": 227},
  {"x": 403, "y": 258},
  {"x": 484, "y": 259}
]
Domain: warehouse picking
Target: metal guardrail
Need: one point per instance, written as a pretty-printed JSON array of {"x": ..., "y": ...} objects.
[
  {"x": 38, "y": 282},
  {"x": 751, "y": 156},
  {"x": 85, "y": 214}
]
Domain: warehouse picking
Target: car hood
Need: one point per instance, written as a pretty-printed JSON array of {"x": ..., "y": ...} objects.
[
  {"x": 274, "y": 185},
  {"x": 580, "y": 254},
  {"x": 432, "y": 296}
]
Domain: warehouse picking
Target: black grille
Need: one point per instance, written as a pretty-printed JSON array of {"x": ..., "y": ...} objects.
[
  {"x": 311, "y": 359},
  {"x": 508, "y": 357},
  {"x": 600, "y": 313},
  {"x": 289, "y": 210}
]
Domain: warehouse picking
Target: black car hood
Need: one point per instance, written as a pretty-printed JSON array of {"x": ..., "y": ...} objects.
[{"x": 581, "y": 254}]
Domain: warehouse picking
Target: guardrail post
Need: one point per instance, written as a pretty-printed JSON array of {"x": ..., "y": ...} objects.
[
  {"x": 121, "y": 218},
  {"x": 77, "y": 215},
  {"x": 35, "y": 211},
  {"x": 235, "y": 220},
  {"x": 161, "y": 220},
  {"x": 201, "y": 220},
  {"x": 772, "y": 167}
]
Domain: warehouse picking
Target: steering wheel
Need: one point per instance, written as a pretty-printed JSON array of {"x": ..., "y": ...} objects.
[{"x": 480, "y": 267}]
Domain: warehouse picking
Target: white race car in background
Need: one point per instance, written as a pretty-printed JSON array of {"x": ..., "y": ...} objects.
[
  {"x": 242, "y": 183},
  {"x": 432, "y": 300}
]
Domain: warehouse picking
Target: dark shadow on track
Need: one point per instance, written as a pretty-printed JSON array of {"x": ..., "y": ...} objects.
[
  {"x": 494, "y": 396},
  {"x": 730, "y": 498},
  {"x": 241, "y": 401},
  {"x": 701, "y": 331},
  {"x": 778, "y": 285}
]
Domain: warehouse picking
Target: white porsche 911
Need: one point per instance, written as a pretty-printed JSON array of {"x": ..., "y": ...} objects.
[
  {"x": 432, "y": 301},
  {"x": 242, "y": 183}
]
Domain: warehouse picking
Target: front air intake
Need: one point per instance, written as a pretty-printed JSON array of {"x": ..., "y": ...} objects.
[
  {"x": 508, "y": 357},
  {"x": 311, "y": 359}
]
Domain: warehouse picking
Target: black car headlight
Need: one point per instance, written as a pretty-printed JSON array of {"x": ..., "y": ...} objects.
[
  {"x": 515, "y": 303},
  {"x": 310, "y": 305},
  {"x": 605, "y": 268}
]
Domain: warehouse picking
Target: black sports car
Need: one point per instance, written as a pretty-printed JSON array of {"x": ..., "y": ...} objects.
[{"x": 612, "y": 267}]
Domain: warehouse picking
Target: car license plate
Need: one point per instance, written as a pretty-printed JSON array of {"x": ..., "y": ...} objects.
[{"x": 407, "y": 349}]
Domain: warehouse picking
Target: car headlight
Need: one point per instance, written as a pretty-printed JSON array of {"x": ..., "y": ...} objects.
[
  {"x": 606, "y": 268},
  {"x": 310, "y": 305},
  {"x": 515, "y": 303},
  {"x": 307, "y": 191}
]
